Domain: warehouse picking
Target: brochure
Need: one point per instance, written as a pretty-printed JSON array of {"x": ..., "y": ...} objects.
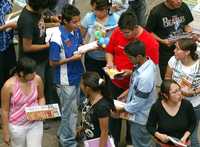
[
  {"x": 113, "y": 73},
  {"x": 42, "y": 112},
  {"x": 124, "y": 115},
  {"x": 95, "y": 142},
  {"x": 177, "y": 141}
]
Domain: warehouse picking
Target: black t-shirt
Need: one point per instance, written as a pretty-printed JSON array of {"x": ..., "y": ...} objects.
[
  {"x": 165, "y": 22},
  {"x": 91, "y": 115},
  {"x": 175, "y": 126},
  {"x": 31, "y": 25}
]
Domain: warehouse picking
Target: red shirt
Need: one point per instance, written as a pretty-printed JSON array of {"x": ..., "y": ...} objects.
[{"x": 116, "y": 47}]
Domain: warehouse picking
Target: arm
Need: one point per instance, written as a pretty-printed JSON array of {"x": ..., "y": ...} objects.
[
  {"x": 103, "y": 122},
  {"x": 168, "y": 74},
  {"x": 109, "y": 60},
  {"x": 11, "y": 25},
  {"x": 5, "y": 102},
  {"x": 40, "y": 88},
  {"x": 192, "y": 119},
  {"x": 66, "y": 60},
  {"x": 29, "y": 47}
]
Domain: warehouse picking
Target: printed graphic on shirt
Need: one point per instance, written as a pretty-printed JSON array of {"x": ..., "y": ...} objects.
[{"x": 41, "y": 26}]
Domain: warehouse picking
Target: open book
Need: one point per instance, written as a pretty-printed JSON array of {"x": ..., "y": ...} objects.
[
  {"x": 42, "y": 112},
  {"x": 87, "y": 47},
  {"x": 113, "y": 73},
  {"x": 177, "y": 142},
  {"x": 124, "y": 115}
]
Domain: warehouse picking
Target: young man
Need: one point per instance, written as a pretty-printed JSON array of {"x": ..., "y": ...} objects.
[
  {"x": 165, "y": 20},
  {"x": 141, "y": 93},
  {"x": 68, "y": 70},
  {"x": 128, "y": 31}
]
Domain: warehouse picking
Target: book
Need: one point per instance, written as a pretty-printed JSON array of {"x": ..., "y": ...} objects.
[
  {"x": 95, "y": 142},
  {"x": 178, "y": 36},
  {"x": 42, "y": 112},
  {"x": 124, "y": 115},
  {"x": 87, "y": 47},
  {"x": 113, "y": 73},
  {"x": 177, "y": 142}
]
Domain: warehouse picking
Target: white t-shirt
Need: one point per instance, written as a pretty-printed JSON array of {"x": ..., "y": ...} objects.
[{"x": 191, "y": 74}]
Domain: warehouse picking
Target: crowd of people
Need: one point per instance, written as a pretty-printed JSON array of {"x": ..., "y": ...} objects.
[{"x": 142, "y": 48}]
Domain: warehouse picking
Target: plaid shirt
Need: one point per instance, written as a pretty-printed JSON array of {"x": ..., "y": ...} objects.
[{"x": 5, "y": 36}]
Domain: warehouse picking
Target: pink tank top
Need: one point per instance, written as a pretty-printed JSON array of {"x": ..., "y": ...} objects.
[{"x": 19, "y": 101}]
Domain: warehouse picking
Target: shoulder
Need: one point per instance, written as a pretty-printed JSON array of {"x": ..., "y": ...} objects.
[
  {"x": 103, "y": 104},
  {"x": 186, "y": 103},
  {"x": 157, "y": 105},
  {"x": 38, "y": 80},
  {"x": 89, "y": 18},
  {"x": 172, "y": 62},
  {"x": 9, "y": 84},
  {"x": 184, "y": 6},
  {"x": 157, "y": 9},
  {"x": 55, "y": 34}
]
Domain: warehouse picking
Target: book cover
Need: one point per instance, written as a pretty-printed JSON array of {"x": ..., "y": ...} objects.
[
  {"x": 95, "y": 142},
  {"x": 113, "y": 73},
  {"x": 42, "y": 112}
]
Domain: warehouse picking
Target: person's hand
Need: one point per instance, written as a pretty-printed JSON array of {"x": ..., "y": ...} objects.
[
  {"x": 115, "y": 7},
  {"x": 55, "y": 19},
  {"x": 6, "y": 138},
  {"x": 126, "y": 73},
  {"x": 163, "y": 137},
  {"x": 184, "y": 139},
  {"x": 167, "y": 42},
  {"x": 110, "y": 65},
  {"x": 186, "y": 91},
  {"x": 115, "y": 114}
]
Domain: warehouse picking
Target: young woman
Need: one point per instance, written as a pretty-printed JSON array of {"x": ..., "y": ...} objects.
[
  {"x": 100, "y": 16},
  {"x": 171, "y": 115},
  {"x": 23, "y": 89},
  {"x": 96, "y": 112},
  {"x": 184, "y": 68}
]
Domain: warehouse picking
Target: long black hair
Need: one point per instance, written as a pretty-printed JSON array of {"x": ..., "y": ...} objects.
[{"x": 96, "y": 83}]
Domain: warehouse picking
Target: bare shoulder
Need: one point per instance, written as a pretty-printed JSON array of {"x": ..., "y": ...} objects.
[
  {"x": 9, "y": 84},
  {"x": 38, "y": 79}
]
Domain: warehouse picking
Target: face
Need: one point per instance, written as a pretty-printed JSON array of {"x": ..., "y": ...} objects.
[
  {"x": 83, "y": 88},
  {"x": 174, "y": 3},
  {"x": 179, "y": 53},
  {"x": 100, "y": 13},
  {"x": 175, "y": 93},
  {"x": 134, "y": 60},
  {"x": 29, "y": 77},
  {"x": 74, "y": 23},
  {"x": 129, "y": 34}
]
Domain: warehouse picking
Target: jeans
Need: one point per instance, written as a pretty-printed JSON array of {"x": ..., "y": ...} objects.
[
  {"x": 140, "y": 136},
  {"x": 26, "y": 136},
  {"x": 139, "y": 8},
  {"x": 68, "y": 100},
  {"x": 195, "y": 138}
]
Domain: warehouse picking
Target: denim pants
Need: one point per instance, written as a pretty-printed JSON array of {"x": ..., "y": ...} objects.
[
  {"x": 26, "y": 136},
  {"x": 140, "y": 136},
  {"x": 139, "y": 7},
  {"x": 68, "y": 100},
  {"x": 195, "y": 142}
]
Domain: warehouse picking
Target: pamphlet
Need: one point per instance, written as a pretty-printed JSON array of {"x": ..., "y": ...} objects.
[
  {"x": 124, "y": 115},
  {"x": 177, "y": 141},
  {"x": 113, "y": 73},
  {"x": 95, "y": 142},
  {"x": 42, "y": 112},
  {"x": 87, "y": 47}
]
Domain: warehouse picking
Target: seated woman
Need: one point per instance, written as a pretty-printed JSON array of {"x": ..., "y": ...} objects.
[
  {"x": 96, "y": 112},
  {"x": 184, "y": 68},
  {"x": 171, "y": 115}
]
